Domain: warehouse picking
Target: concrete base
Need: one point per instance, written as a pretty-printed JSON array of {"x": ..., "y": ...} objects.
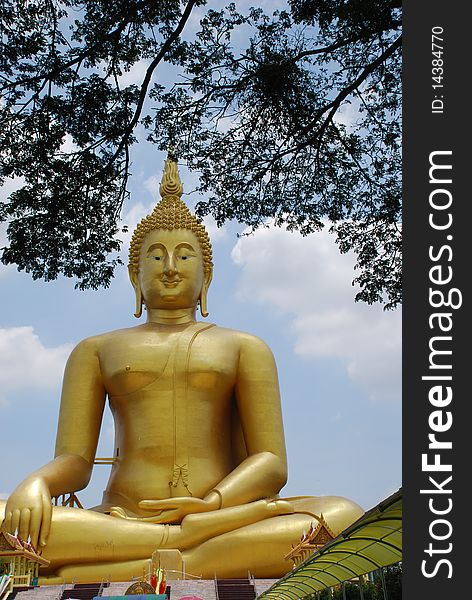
[{"x": 201, "y": 588}]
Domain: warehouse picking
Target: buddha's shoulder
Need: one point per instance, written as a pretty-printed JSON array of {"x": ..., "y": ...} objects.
[
  {"x": 242, "y": 339},
  {"x": 213, "y": 334},
  {"x": 98, "y": 341}
]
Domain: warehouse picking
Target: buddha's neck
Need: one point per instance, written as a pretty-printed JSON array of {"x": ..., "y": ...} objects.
[{"x": 177, "y": 316}]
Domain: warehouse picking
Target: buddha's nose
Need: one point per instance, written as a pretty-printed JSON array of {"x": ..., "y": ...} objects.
[{"x": 170, "y": 265}]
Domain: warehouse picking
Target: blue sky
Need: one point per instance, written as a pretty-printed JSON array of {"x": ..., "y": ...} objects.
[{"x": 339, "y": 362}]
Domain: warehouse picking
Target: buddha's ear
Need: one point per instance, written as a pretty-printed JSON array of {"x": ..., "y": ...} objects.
[
  {"x": 133, "y": 276},
  {"x": 203, "y": 294}
]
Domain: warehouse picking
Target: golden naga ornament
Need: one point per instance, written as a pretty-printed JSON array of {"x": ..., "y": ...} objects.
[{"x": 199, "y": 456}]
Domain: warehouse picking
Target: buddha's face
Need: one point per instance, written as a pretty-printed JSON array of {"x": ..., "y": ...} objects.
[{"x": 171, "y": 273}]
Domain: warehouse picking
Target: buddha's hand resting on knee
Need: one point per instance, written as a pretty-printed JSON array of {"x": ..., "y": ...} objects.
[{"x": 29, "y": 511}]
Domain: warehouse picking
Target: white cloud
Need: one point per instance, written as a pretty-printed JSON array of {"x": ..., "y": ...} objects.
[
  {"x": 152, "y": 185},
  {"x": 4, "y": 496},
  {"x": 68, "y": 145},
  {"x": 10, "y": 185},
  {"x": 136, "y": 74},
  {"x": 216, "y": 233},
  {"x": 348, "y": 113},
  {"x": 26, "y": 363},
  {"x": 309, "y": 280},
  {"x": 131, "y": 218},
  {"x": 133, "y": 76}
]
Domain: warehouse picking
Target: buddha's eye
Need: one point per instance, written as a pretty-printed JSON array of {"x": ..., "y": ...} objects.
[
  {"x": 158, "y": 258},
  {"x": 184, "y": 257}
]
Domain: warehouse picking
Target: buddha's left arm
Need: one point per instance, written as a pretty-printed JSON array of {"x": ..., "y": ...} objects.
[{"x": 264, "y": 472}]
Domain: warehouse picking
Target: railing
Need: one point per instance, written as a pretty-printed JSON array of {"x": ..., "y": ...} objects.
[
  {"x": 6, "y": 592},
  {"x": 216, "y": 588},
  {"x": 5, "y": 586},
  {"x": 8, "y": 583},
  {"x": 70, "y": 500},
  {"x": 21, "y": 580},
  {"x": 63, "y": 587},
  {"x": 107, "y": 460},
  {"x": 185, "y": 574},
  {"x": 104, "y": 461}
]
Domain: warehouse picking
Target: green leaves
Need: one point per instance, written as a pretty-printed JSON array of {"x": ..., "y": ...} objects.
[
  {"x": 66, "y": 127},
  {"x": 60, "y": 223},
  {"x": 293, "y": 116},
  {"x": 303, "y": 125}
]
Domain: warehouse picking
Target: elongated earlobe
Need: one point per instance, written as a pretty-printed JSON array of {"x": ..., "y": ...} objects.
[
  {"x": 139, "y": 301},
  {"x": 203, "y": 294},
  {"x": 137, "y": 291},
  {"x": 203, "y": 303}
]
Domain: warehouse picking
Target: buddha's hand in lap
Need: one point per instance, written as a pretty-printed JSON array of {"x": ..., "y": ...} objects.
[
  {"x": 174, "y": 510},
  {"x": 170, "y": 510},
  {"x": 29, "y": 511}
]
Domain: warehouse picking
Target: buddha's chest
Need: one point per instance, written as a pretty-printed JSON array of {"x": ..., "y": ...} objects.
[{"x": 164, "y": 362}]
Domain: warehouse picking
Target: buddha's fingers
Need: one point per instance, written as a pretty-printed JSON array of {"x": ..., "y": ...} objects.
[
  {"x": 45, "y": 520},
  {"x": 35, "y": 526},
  {"x": 24, "y": 526},
  {"x": 280, "y": 507},
  {"x": 6, "y": 525},
  {"x": 201, "y": 527},
  {"x": 120, "y": 513},
  {"x": 15, "y": 520}
]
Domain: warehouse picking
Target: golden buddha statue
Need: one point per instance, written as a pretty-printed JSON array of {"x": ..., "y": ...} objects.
[{"x": 199, "y": 444}]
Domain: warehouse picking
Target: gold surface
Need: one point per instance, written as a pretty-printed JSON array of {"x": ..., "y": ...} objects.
[{"x": 199, "y": 443}]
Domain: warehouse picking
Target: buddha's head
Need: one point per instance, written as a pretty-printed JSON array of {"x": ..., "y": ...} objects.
[{"x": 170, "y": 257}]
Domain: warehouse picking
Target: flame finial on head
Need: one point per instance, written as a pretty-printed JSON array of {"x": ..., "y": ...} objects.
[
  {"x": 169, "y": 214},
  {"x": 171, "y": 184}
]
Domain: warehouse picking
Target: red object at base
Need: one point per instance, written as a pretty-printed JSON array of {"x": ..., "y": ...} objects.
[{"x": 153, "y": 581}]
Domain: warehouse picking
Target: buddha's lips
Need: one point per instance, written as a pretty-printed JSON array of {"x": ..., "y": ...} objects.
[{"x": 172, "y": 283}]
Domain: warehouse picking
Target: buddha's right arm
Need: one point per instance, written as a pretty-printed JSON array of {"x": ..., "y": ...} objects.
[{"x": 29, "y": 507}]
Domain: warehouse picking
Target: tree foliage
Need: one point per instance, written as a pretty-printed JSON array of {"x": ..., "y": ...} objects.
[
  {"x": 292, "y": 117},
  {"x": 61, "y": 65}
]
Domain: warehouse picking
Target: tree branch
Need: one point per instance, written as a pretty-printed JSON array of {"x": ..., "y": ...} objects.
[
  {"x": 147, "y": 78},
  {"x": 54, "y": 72},
  {"x": 345, "y": 92}
]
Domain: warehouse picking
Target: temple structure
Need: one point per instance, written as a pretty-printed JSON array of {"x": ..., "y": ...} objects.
[
  {"x": 19, "y": 562},
  {"x": 315, "y": 538}
]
